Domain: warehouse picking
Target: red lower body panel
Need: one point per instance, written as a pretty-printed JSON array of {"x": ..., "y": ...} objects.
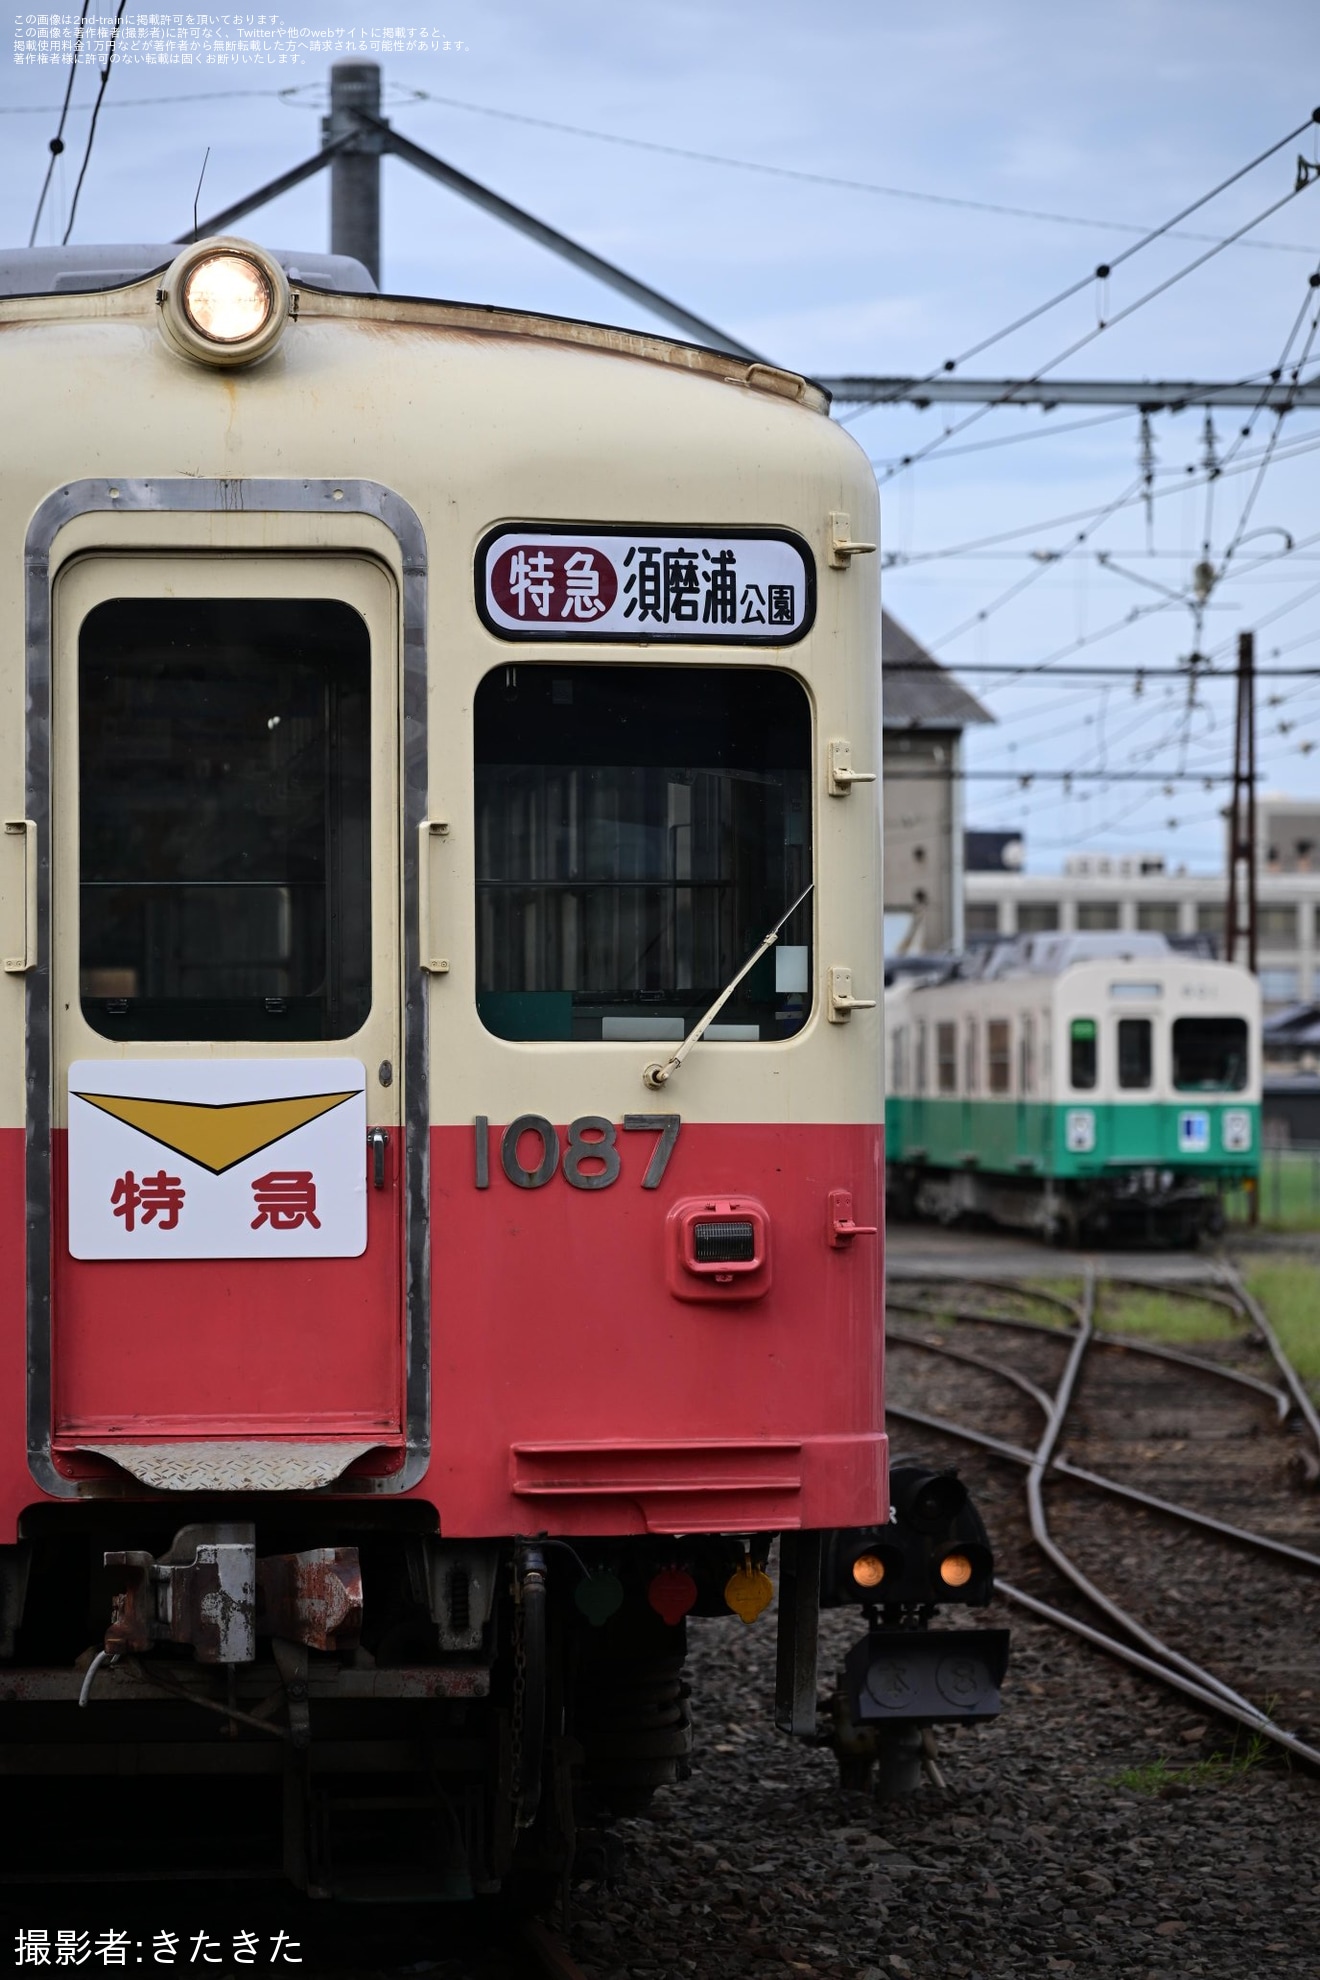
[{"x": 574, "y": 1390}]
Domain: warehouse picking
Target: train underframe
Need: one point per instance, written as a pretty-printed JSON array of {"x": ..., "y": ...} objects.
[
  {"x": 1149, "y": 1204},
  {"x": 339, "y": 1697}
]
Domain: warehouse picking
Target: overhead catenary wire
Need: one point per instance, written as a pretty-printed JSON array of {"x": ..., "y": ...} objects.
[
  {"x": 1034, "y": 576},
  {"x": 96, "y": 111},
  {"x": 825, "y": 178},
  {"x": 1180, "y": 483},
  {"x": 57, "y": 142},
  {"x": 1279, "y": 417},
  {"x": 1103, "y": 272},
  {"x": 1089, "y": 336}
]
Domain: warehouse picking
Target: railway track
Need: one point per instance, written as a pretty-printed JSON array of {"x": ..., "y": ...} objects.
[{"x": 1067, "y": 1350}]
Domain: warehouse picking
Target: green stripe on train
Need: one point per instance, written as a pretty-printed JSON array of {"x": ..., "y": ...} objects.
[{"x": 1032, "y": 1137}]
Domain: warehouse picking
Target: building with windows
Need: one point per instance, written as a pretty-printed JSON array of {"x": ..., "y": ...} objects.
[
  {"x": 1142, "y": 893},
  {"x": 925, "y": 713}
]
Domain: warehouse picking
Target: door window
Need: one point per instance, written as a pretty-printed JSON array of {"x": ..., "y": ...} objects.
[
  {"x": 224, "y": 783},
  {"x": 1134, "y": 1052},
  {"x": 1082, "y": 1054}
]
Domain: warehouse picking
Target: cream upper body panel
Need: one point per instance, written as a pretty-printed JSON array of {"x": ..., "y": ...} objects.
[
  {"x": 1161, "y": 988},
  {"x": 475, "y": 419}
]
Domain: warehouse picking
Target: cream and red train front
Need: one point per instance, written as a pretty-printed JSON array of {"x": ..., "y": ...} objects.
[{"x": 425, "y": 726}]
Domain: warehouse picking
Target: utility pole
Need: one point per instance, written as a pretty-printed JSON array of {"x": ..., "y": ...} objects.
[
  {"x": 355, "y": 167},
  {"x": 1240, "y": 922}
]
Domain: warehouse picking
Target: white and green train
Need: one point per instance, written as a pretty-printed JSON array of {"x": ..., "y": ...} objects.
[{"x": 1076, "y": 1085}]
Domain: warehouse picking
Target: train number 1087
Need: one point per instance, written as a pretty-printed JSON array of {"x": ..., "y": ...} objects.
[{"x": 589, "y": 1159}]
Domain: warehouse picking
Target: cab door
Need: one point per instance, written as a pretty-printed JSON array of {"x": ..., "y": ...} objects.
[{"x": 227, "y": 1295}]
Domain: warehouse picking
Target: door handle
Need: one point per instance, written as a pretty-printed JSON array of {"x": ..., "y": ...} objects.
[
  {"x": 428, "y": 832},
  {"x": 25, "y": 829},
  {"x": 378, "y": 1141}
]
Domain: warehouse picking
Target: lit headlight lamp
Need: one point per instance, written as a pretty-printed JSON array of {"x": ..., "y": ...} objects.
[{"x": 224, "y": 302}]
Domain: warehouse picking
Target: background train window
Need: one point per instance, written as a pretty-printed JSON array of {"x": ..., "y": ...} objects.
[
  {"x": 919, "y": 1068},
  {"x": 1210, "y": 1054},
  {"x": 946, "y": 1057},
  {"x": 1027, "y": 1049},
  {"x": 900, "y": 1059},
  {"x": 1082, "y": 1054},
  {"x": 972, "y": 1073},
  {"x": 224, "y": 775},
  {"x": 998, "y": 1055},
  {"x": 639, "y": 830},
  {"x": 1134, "y": 1052}
]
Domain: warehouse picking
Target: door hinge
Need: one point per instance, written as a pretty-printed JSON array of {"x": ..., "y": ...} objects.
[
  {"x": 841, "y": 1228},
  {"x": 841, "y": 776},
  {"x": 842, "y": 1003},
  {"x": 842, "y": 547}
]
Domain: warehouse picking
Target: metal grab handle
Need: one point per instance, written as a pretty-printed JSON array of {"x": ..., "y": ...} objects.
[
  {"x": 25, "y": 829},
  {"x": 378, "y": 1141},
  {"x": 428, "y": 832}
]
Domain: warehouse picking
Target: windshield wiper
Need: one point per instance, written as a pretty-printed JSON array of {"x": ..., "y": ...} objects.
[{"x": 659, "y": 1071}]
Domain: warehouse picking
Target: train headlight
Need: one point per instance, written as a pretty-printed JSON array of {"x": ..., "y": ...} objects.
[
  {"x": 227, "y": 298},
  {"x": 224, "y": 302}
]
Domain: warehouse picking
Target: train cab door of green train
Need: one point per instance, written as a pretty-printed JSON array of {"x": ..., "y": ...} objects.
[{"x": 227, "y": 1171}]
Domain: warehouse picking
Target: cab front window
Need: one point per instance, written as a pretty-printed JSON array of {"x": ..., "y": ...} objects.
[
  {"x": 1210, "y": 1054},
  {"x": 639, "y": 830}
]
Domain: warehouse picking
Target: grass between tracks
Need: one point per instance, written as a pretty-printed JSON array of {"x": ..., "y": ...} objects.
[
  {"x": 1158, "y": 1316},
  {"x": 1289, "y": 1290},
  {"x": 1163, "y": 1777}
]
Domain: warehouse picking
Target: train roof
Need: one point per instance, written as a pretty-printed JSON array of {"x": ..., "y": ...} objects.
[
  {"x": 1051, "y": 955},
  {"x": 1036, "y": 955},
  {"x": 81, "y": 280},
  {"x": 72, "y": 271}
]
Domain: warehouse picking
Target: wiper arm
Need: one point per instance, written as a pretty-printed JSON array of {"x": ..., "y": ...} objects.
[{"x": 659, "y": 1071}]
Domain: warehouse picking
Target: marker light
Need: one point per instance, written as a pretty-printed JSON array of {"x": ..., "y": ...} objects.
[
  {"x": 224, "y": 302},
  {"x": 868, "y": 1570},
  {"x": 227, "y": 298},
  {"x": 955, "y": 1570}
]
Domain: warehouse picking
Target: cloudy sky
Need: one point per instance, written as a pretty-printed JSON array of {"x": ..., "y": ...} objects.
[{"x": 994, "y": 157}]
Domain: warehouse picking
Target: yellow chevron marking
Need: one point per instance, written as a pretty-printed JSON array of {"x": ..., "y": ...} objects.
[{"x": 216, "y": 1136}]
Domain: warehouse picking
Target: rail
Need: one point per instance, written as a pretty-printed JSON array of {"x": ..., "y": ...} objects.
[{"x": 1154, "y": 1657}]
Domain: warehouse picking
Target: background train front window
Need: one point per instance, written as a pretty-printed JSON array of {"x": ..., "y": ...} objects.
[
  {"x": 639, "y": 830},
  {"x": 223, "y": 788},
  {"x": 1210, "y": 1055}
]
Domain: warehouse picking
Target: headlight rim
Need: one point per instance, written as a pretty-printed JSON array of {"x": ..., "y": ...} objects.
[{"x": 181, "y": 331}]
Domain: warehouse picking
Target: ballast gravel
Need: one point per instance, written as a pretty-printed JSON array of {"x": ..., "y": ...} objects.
[{"x": 1034, "y": 1859}]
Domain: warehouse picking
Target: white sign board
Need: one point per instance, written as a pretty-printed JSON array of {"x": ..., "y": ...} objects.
[
  {"x": 739, "y": 587},
  {"x": 217, "y": 1158}
]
